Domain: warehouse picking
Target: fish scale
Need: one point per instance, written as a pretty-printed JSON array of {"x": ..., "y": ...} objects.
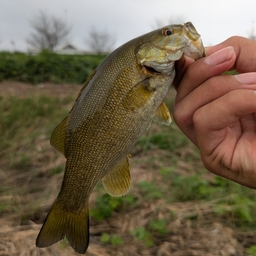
[{"x": 116, "y": 105}]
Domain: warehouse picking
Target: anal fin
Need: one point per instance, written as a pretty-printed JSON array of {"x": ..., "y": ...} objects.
[{"x": 117, "y": 181}]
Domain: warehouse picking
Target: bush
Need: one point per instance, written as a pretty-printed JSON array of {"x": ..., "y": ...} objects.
[{"x": 47, "y": 67}]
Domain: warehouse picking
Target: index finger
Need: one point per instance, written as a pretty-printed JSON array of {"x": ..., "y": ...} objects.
[
  {"x": 203, "y": 69},
  {"x": 245, "y": 50}
]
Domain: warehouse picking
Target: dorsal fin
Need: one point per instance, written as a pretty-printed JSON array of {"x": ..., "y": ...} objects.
[
  {"x": 117, "y": 181},
  {"x": 85, "y": 84},
  {"x": 89, "y": 78},
  {"x": 58, "y": 137},
  {"x": 162, "y": 115}
]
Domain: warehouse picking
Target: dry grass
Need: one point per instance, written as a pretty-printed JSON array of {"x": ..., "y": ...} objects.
[{"x": 26, "y": 194}]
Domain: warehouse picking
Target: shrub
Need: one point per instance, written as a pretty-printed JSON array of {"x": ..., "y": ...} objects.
[{"x": 47, "y": 67}]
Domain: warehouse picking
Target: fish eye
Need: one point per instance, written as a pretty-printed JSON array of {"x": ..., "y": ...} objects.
[{"x": 166, "y": 32}]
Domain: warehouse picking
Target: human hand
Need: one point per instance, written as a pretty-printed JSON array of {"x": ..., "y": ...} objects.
[{"x": 218, "y": 112}]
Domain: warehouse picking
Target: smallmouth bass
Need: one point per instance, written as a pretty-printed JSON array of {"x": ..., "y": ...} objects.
[{"x": 116, "y": 105}]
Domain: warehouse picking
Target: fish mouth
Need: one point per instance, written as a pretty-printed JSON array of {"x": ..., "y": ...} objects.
[
  {"x": 159, "y": 53},
  {"x": 152, "y": 70},
  {"x": 159, "y": 68},
  {"x": 194, "y": 48}
]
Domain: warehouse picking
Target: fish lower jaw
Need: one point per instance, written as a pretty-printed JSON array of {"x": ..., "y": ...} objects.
[
  {"x": 195, "y": 50},
  {"x": 160, "y": 68}
]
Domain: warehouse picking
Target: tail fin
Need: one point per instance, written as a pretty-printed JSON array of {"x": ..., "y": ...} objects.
[{"x": 60, "y": 223}]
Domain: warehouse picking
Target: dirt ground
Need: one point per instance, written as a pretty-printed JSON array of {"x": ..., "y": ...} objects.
[
  {"x": 205, "y": 237},
  {"x": 19, "y": 89}
]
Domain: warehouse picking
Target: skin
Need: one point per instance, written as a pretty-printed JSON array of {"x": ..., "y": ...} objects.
[{"x": 217, "y": 112}]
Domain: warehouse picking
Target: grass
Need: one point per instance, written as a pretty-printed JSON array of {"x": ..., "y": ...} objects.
[
  {"x": 112, "y": 239},
  {"x": 158, "y": 226},
  {"x": 251, "y": 251},
  {"x": 24, "y": 120},
  {"x": 150, "y": 191},
  {"x": 105, "y": 205},
  {"x": 37, "y": 116},
  {"x": 144, "y": 235},
  {"x": 28, "y": 164},
  {"x": 26, "y": 124}
]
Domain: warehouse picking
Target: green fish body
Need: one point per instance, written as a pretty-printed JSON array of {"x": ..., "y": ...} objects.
[{"x": 116, "y": 105}]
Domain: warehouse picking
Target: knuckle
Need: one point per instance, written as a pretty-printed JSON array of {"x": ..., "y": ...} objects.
[
  {"x": 181, "y": 116},
  {"x": 198, "y": 117}
]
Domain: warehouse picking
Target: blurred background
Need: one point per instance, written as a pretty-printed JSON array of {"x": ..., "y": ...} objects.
[
  {"x": 175, "y": 206},
  {"x": 216, "y": 20}
]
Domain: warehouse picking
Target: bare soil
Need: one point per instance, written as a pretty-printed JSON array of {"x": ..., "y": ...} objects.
[{"x": 207, "y": 236}]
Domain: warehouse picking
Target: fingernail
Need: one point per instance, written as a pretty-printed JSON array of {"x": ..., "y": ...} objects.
[
  {"x": 220, "y": 56},
  {"x": 246, "y": 78}
]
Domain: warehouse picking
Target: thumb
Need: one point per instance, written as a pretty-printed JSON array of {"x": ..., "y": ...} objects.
[{"x": 180, "y": 67}]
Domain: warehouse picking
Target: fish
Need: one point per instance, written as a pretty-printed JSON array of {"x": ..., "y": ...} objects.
[{"x": 116, "y": 105}]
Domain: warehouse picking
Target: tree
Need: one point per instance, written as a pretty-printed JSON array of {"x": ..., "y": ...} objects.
[
  {"x": 100, "y": 41},
  {"x": 48, "y": 31},
  {"x": 173, "y": 20},
  {"x": 252, "y": 34}
]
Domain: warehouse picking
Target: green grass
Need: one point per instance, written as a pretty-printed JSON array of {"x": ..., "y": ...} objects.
[
  {"x": 158, "y": 226},
  {"x": 150, "y": 191},
  {"x": 178, "y": 176},
  {"x": 57, "y": 170},
  {"x": 23, "y": 120},
  {"x": 113, "y": 239},
  {"x": 168, "y": 138},
  {"x": 144, "y": 235},
  {"x": 105, "y": 205},
  {"x": 25, "y": 123},
  {"x": 251, "y": 251}
]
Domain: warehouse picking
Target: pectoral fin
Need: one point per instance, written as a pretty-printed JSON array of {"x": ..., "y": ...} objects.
[
  {"x": 163, "y": 115},
  {"x": 117, "y": 181},
  {"x": 138, "y": 95},
  {"x": 58, "y": 137}
]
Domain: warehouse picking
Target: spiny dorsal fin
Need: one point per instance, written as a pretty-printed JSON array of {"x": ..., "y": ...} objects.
[
  {"x": 87, "y": 82},
  {"x": 162, "y": 115},
  {"x": 117, "y": 181},
  {"x": 58, "y": 137}
]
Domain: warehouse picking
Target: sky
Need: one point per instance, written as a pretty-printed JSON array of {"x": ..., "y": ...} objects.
[{"x": 215, "y": 20}]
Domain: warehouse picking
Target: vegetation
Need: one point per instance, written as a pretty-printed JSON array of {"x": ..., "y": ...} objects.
[
  {"x": 47, "y": 31},
  {"x": 173, "y": 200},
  {"x": 100, "y": 41},
  {"x": 47, "y": 67}
]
